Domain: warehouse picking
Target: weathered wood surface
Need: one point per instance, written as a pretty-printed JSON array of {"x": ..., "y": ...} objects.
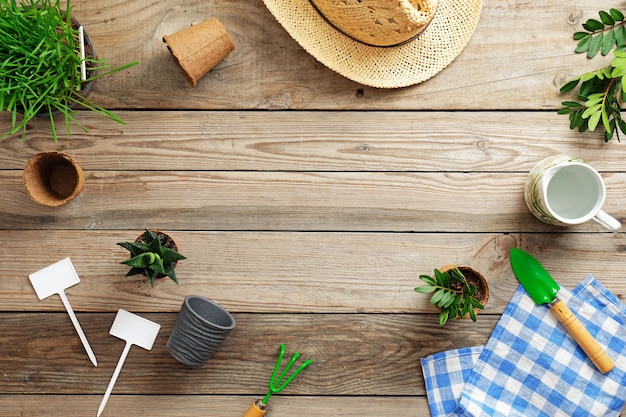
[
  {"x": 310, "y": 226},
  {"x": 310, "y": 201},
  {"x": 519, "y": 56},
  {"x": 210, "y": 405},
  {"x": 276, "y": 272},
  {"x": 346, "y": 141},
  {"x": 354, "y": 354}
]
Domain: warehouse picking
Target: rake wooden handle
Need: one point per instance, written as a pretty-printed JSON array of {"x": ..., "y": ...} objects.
[
  {"x": 255, "y": 410},
  {"x": 581, "y": 335}
]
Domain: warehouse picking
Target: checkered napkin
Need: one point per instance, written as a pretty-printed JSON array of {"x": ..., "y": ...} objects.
[{"x": 531, "y": 367}]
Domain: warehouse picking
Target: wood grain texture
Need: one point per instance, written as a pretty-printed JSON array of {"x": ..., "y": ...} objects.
[
  {"x": 375, "y": 141},
  {"x": 353, "y": 354},
  {"x": 265, "y": 272},
  {"x": 519, "y": 56},
  {"x": 306, "y": 204},
  {"x": 309, "y": 201},
  {"x": 210, "y": 405}
]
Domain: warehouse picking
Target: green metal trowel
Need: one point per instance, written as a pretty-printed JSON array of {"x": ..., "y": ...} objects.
[{"x": 543, "y": 290}]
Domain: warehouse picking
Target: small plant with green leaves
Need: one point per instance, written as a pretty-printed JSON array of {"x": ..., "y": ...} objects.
[
  {"x": 153, "y": 254},
  {"x": 601, "y": 92},
  {"x": 452, "y": 293},
  {"x": 41, "y": 67}
]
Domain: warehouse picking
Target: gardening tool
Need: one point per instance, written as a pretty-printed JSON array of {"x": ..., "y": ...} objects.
[
  {"x": 54, "y": 279},
  {"x": 135, "y": 330},
  {"x": 543, "y": 290},
  {"x": 259, "y": 407}
]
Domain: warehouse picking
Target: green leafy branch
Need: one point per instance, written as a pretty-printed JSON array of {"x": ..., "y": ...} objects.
[
  {"x": 451, "y": 292},
  {"x": 601, "y": 91}
]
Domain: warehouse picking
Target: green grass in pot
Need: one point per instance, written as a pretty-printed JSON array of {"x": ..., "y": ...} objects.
[{"x": 40, "y": 65}]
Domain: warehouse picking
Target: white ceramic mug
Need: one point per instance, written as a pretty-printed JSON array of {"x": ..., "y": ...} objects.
[{"x": 563, "y": 191}]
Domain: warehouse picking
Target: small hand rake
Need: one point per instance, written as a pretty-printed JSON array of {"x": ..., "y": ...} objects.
[{"x": 259, "y": 407}]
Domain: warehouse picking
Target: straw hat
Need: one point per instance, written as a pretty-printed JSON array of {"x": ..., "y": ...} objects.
[{"x": 380, "y": 43}]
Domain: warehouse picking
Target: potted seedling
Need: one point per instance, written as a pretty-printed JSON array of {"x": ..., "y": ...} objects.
[
  {"x": 153, "y": 254},
  {"x": 47, "y": 65},
  {"x": 458, "y": 292}
]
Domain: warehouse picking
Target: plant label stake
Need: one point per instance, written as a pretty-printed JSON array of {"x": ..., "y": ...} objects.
[
  {"x": 81, "y": 41},
  {"x": 54, "y": 279},
  {"x": 135, "y": 330},
  {"x": 259, "y": 407}
]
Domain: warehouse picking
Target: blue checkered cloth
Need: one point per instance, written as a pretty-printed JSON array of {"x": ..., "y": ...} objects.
[{"x": 531, "y": 367}]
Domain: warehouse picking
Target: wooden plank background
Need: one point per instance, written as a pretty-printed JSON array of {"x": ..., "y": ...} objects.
[{"x": 306, "y": 204}]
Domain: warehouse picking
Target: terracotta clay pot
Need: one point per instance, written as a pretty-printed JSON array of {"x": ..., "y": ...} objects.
[
  {"x": 473, "y": 278},
  {"x": 53, "y": 178}
]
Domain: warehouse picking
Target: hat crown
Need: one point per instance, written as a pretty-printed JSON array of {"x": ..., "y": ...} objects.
[{"x": 378, "y": 22}]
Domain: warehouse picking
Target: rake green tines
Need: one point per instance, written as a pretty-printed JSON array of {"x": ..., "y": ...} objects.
[{"x": 275, "y": 384}]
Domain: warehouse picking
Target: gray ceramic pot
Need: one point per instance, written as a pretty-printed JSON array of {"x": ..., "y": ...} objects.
[{"x": 199, "y": 330}]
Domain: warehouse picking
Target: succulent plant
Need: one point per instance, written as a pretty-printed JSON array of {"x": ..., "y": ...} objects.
[
  {"x": 153, "y": 254},
  {"x": 452, "y": 293}
]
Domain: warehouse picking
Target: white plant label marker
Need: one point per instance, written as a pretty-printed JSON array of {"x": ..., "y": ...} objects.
[
  {"x": 54, "y": 279},
  {"x": 81, "y": 41},
  {"x": 135, "y": 330}
]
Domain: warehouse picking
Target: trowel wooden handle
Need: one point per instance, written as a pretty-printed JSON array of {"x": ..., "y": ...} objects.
[
  {"x": 581, "y": 335},
  {"x": 255, "y": 410}
]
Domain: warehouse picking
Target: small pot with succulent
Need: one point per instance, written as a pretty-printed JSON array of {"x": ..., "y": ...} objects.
[
  {"x": 48, "y": 65},
  {"x": 458, "y": 292},
  {"x": 153, "y": 254}
]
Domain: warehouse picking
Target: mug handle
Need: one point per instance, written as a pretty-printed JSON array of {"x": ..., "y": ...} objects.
[{"x": 607, "y": 221}]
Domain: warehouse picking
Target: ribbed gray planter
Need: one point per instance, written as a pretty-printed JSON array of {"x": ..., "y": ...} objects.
[{"x": 199, "y": 330}]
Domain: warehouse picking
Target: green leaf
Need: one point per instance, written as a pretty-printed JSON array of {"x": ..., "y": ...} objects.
[
  {"x": 608, "y": 42},
  {"x": 605, "y": 121},
  {"x": 570, "y": 85},
  {"x": 428, "y": 279},
  {"x": 594, "y": 45},
  {"x": 594, "y": 120},
  {"x": 446, "y": 279},
  {"x": 593, "y": 25},
  {"x": 620, "y": 35},
  {"x": 425, "y": 289},
  {"x": 618, "y": 71},
  {"x": 583, "y": 45},
  {"x": 472, "y": 314},
  {"x": 439, "y": 277},
  {"x": 606, "y": 18},
  {"x": 437, "y": 296},
  {"x": 447, "y": 300},
  {"x": 594, "y": 100},
  {"x": 579, "y": 35},
  {"x": 443, "y": 317},
  {"x": 592, "y": 110},
  {"x": 573, "y": 104},
  {"x": 616, "y": 14}
]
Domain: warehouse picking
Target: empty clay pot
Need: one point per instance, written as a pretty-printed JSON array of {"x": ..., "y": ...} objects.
[{"x": 53, "y": 178}]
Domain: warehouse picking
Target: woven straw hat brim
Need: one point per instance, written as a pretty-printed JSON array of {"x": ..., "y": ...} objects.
[{"x": 383, "y": 67}]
